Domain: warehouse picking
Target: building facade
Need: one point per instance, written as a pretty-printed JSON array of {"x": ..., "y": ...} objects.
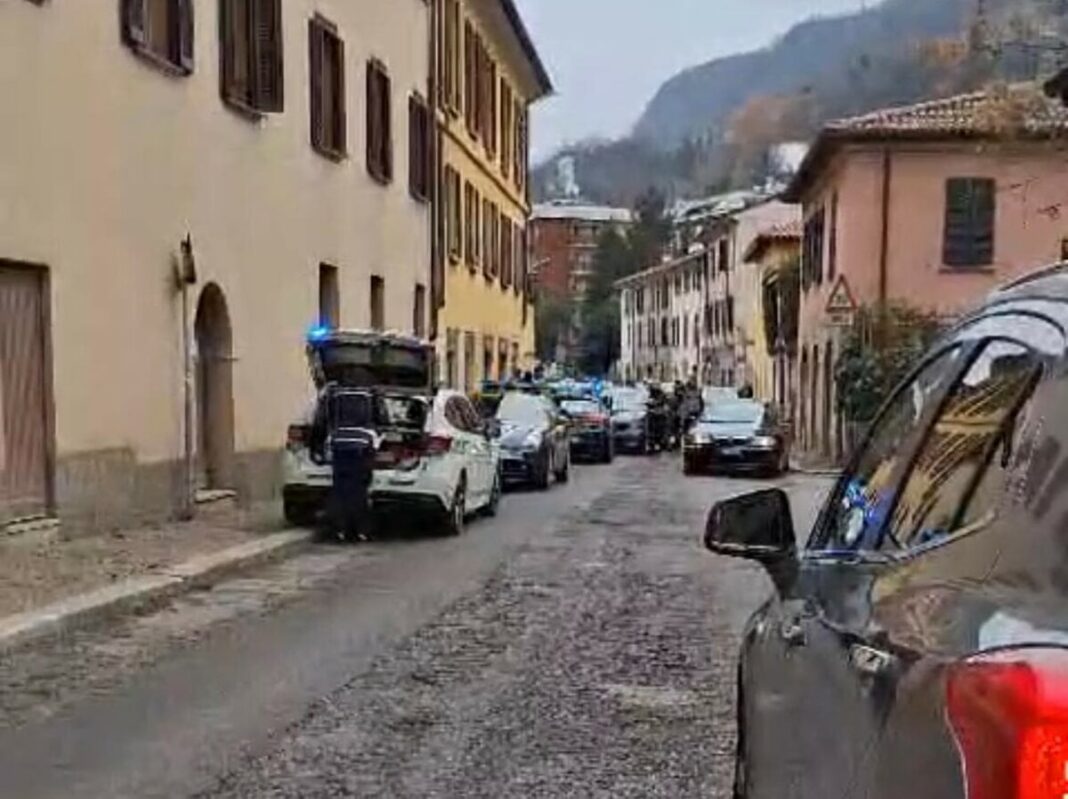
[
  {"x": 662, "y": 320},
  {"x": 774, "y": 261},
  {"x": 564, "y": 237},
  {"x": 488, "y": 74},
  {"x": 931, "y": 205},
  {"x": 264, "y": 160}
]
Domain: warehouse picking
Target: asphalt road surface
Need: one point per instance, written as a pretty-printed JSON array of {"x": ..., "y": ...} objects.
[{"x": 581, "y": 644}]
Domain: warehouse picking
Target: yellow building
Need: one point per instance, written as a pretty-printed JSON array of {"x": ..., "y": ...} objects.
[
  {"x": 488, "y": 74},
  {"x": 767, "y": 258}
]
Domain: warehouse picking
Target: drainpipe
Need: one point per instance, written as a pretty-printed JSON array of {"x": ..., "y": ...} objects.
[{"x": 187, "y": 276}]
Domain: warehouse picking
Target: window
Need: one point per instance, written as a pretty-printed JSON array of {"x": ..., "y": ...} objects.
[
  {"x": 487, "y": 357},
  {"x": 832, "y": 242},
  {"x": 969, "y": 226},
  {"x": 489, "y": 253},
  {"x": 471, "y": 229},
  {"x": 379, "y": 129},
  {"x": 471, "y": 56},
  {"x": 856, "y": 511},
  {"x": 469, "y": 362},
  {"x": 453, "y": 222},
  {"x": 507, "y": 129},
  {"x": 519, "y": 263},
  {"x": 419, "y": 311},
  {"x": 507, "y": 252},
  {"x": 418, "y": 148},
  {"x": 161, "y": 30},
  {"x": 451, "y": 84},
  {"x": 378, "y": 303},
  {"x": 251, "y": 54},
  {"x": 971, "y": 439},
  {"x": 664, "y": 332},
  {"x": 452, "y": 346},
  {"x": 521, "y": 145},
  {"x": 329, "y": 297},
  {"x": 489, "y": 104},
  {"x": 723, "y": 255},
  {"x": 326, "y": 65},
  {"x": 812, "y": 250}
]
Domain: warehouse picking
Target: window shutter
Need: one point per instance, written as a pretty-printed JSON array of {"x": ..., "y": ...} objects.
[
  {"x": 184, "y": 11},
  {"x": 315, "y": 69},
  {"x": 268, "y": 54},
  {"x": 341, "y": 127},
  {"x": 226, "y": 49},
  {"x": 385, "y": 107},
  {"x": 373, "y": 133},
  {"x": 133, "y": 22}
]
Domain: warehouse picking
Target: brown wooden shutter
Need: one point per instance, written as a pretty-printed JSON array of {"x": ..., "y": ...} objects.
[
  {"x": 373, "y": 132},
  {"x": 133, "y": 22},
  {"x": 340, "y": 142},
  {"x": 386, "y": 124},
  {"x": 184, "y": 13},
  {"x": 226, "y": 49},
  {"x": 315, "y": 70},
  {"x": 267, "y": 51}
]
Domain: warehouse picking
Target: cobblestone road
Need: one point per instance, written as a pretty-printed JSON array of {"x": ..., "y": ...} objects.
[{"x": 581, "y": 645}]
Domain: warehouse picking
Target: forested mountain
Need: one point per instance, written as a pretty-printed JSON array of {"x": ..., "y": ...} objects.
[{"x": 708, "y": 128}]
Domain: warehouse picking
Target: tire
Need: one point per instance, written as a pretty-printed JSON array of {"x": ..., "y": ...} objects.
[
  {"x": 542, "y": 478},
  {"x": 563, "y": 475},
  {"x": 298, "y": 514},
  {"x": 608, "y": 455},
  {"x": 457, "y": 513},
  {"x": 494, "y": 503}
]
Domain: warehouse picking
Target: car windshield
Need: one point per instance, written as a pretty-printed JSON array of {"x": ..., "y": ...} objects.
[
  {"x": 734, "y": 413},
  {"x": 524, "y": 409},
  {"x": 580, "y": 407},
  {"x": 629, "y": 400}
]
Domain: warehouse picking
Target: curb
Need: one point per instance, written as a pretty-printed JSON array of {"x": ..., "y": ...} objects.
[{"x": 138, "y": 594}]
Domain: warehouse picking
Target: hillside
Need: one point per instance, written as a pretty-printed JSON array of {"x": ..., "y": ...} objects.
[
  {"x": 708, "y": 128},
  {"x": 825, "y": 55}
]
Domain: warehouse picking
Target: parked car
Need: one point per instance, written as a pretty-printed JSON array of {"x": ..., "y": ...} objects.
[
  {"x": 630, "y": 419},
  {"x": 918, "y": 644},
  {"x": 535, "y": 440},
  {"x": 591, "y": 429},
  {"x": 434, "y": 454},
  {"x": 739, "y": 435}
]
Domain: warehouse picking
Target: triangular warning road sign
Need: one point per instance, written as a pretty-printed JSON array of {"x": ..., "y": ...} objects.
[{"x": 841, "y": 299}]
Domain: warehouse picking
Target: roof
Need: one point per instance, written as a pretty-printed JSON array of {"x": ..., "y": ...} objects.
[
  {"x": 786, "y": 232},
  {"x": 587, "y": 213},
  {"x": 531, "y": 52},
  {"x": 659, "y": 269},
  {"x": 979, "y": 115}
]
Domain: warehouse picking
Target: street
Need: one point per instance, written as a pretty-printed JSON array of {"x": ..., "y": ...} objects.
[{"x": 581, "y": 644}]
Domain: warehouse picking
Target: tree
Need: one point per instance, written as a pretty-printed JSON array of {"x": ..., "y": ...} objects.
[{"x": 552, "y": 315}]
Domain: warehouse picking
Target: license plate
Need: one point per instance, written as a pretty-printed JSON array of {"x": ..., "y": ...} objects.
[{"x": 731, "y": 452}]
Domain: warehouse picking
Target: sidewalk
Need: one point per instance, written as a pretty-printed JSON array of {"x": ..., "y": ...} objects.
[{"x": 49, "y": 586}]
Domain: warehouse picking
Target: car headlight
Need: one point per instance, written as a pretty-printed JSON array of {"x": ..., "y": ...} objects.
[
  {"x": 532, "y": 441},
  {"x": 700, "y": 438},
  {"x": 765, "y": 442}
]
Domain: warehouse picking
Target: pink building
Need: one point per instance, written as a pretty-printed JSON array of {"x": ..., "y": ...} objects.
[{"x": 930, "y": 204}]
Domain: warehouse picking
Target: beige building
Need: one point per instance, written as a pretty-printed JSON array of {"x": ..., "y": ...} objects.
[{"x": 287, "y": 141}]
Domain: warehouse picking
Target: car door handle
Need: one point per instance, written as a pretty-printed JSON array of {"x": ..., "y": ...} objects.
[
  {"x": 870, "y": 661},
  {"x": 792, "y": 632}
]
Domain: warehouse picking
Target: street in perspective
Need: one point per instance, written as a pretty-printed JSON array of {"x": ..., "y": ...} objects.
[{"x": 505, "y": 398}]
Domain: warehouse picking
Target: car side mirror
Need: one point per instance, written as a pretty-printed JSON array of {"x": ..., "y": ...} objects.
[
  {"x": 492, "y": 428},
  {"x": 758, "y": 526}
]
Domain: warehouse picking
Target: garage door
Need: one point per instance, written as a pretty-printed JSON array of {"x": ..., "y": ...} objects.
[{"x": 23, "y": 430}]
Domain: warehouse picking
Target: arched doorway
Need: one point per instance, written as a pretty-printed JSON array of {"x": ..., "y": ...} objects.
[{"x": 214, "y": 390}]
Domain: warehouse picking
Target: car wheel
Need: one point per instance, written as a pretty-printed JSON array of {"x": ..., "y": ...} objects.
[
  {"x": 609, "y": 453},
  {"x": 543, "y": 473},
  {"x": 298, "y": 514},
  {"x": 784, "y": 462},
  {"x": 457, "y": 514},
  {"x": 494, "y": 503}
]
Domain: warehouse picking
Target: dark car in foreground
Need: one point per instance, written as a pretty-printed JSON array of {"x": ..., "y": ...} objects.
[
  {"x": 736, "y": 435},
  {"x": 591, "y": 430},
  {"x": 917, "y": 646},
  {"x": 535, "y": 440}
]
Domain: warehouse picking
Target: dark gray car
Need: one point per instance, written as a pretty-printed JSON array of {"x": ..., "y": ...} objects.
[{"x": 917, "y": 646}]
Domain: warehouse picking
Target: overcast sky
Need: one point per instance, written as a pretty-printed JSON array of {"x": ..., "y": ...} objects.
[{"x": 607, "y": 57}]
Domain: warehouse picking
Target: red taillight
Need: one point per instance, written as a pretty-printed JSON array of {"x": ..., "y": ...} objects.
[
  {"x": 593, "y": 418},
  {"x": 1009, "y": 712},
  {"x": 296, "y": 436},
  {"x": 438, "y": 445}
]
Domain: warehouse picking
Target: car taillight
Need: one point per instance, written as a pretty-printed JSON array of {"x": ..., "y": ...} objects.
[
  {"x": 296, "y": 436},
  {"x": 1009, "y": 712},
  {"x": 438, "y": 445}
]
